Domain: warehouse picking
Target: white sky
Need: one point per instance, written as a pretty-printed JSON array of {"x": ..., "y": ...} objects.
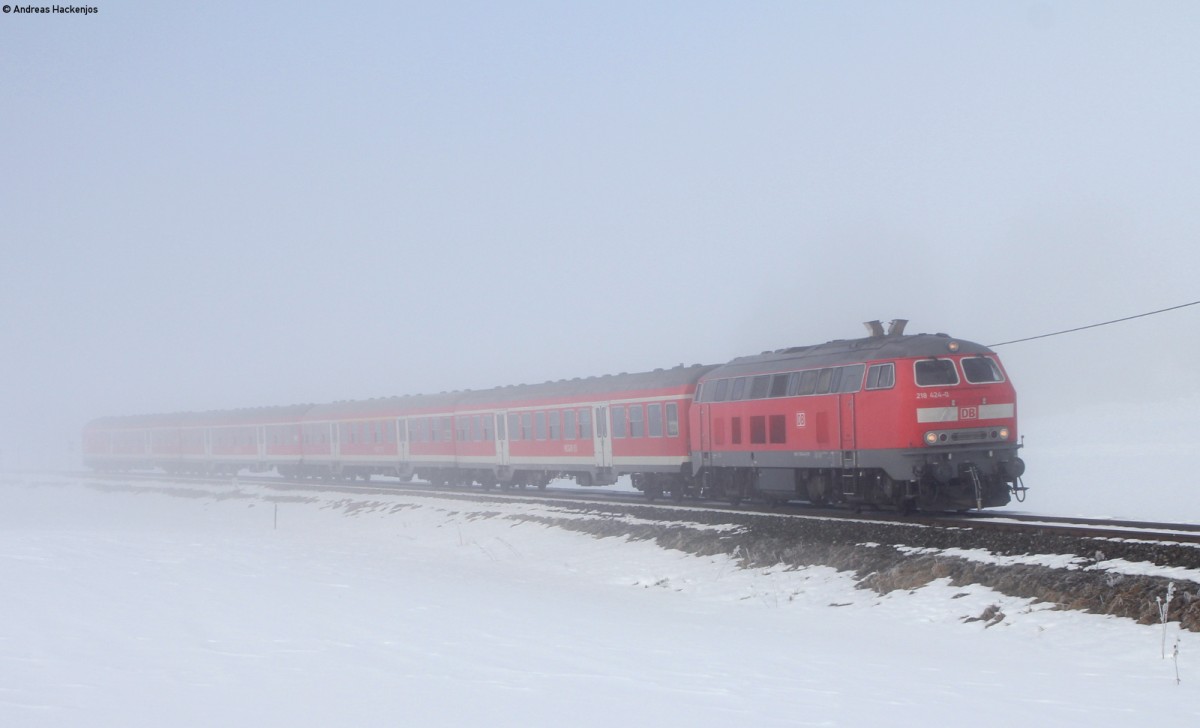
[{"x": 219, "y": 204}]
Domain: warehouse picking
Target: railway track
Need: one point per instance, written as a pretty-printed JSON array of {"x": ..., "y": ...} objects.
[
  {"x": 1032, "y": 525},
  {"x": 1104, "y": 566}
]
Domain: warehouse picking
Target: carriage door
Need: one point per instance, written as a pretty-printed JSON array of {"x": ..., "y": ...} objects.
[
  {"x": 402, "y": 440},
  {"x": 502, "y": 436},
  {"x": 602, "y": 441}
]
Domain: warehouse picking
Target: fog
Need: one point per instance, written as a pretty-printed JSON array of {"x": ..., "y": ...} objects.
[{"x": 222, "y": 205}]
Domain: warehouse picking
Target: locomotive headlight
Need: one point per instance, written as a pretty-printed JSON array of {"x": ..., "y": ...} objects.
[
  {"x": 931, "y": 438},
  {"x": 1003, "y": 433},
  {"x": 952, "y": 346}
]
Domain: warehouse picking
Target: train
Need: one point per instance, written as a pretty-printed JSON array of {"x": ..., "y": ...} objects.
[{"x": 889, "y": 421}]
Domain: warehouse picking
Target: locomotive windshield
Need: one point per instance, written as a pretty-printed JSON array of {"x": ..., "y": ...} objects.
[
  {"x": 981, "y": 370},
  {"x": 936, "y": 372}
]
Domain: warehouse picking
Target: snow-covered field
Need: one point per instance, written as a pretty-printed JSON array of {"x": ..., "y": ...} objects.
[{"x": 201, "y": 609}]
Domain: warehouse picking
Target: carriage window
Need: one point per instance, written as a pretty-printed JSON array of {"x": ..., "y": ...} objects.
[
  {"x": 738, "y": 389},
  {"x": 881, "y": 376},
  {"x": 554, "y": 422},
  {"x": 759, "y": 386},
  {"x": 779, "y": 385},
  {"x": 585, "y": 424},
  {"x": 981, "y": 370},
  {"x": 569, "y": 431},
  {"x": 935, "y": 372},
  {"x": 722, "y": 391},
  {"x": 526, "y": 425},
  {"x": 672, "y": 420},
  {"x": 488, "y": 421},
  {"x": 654, "y": 424},
  {"x": 539, "y": 425},
  {"x": 636, "y": 421},
  {"x": 618, "y": 421},
  {"x": 514, "y": 426},
  {"x": 852, "y": 378},
  {"x": 447, "y": 429}
]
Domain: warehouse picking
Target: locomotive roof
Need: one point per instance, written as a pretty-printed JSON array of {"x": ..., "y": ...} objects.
[{"x": 848, "y": 351}]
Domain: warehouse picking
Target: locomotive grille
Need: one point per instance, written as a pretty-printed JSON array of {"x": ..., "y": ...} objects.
[
  {"x": 968, "y": 435},
  {"x": 937, "y": 438}
]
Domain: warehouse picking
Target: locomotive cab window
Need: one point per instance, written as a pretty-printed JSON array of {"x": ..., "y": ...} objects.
[
  {"x": 852, "y": 378},
  {"x": 881, "y": 376},
  {"x": 981, "y": 370},
  {"x": 935, "y": 373}
]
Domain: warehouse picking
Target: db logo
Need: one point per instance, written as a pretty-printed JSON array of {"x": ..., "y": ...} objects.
[
  {"x": 968, "y": 413},
  {"x": 8, "y": 8}
]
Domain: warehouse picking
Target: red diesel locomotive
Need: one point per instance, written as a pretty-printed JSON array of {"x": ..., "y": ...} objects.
[{"x": 891, "y": 420}]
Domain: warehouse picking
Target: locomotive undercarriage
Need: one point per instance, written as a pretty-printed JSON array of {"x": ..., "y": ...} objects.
[
  {"x": 905, "y": 480},
  {"x": 859, "y": 488}
]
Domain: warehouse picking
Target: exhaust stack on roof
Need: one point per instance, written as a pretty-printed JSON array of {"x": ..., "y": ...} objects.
[
  {"x": 874, "y": 327},
  {"x": 896, "y": 327}
]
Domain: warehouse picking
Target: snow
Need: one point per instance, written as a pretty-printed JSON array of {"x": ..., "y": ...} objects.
[{"x": 244, "y": 606}]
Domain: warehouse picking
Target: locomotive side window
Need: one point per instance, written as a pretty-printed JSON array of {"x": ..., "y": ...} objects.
[
  {"x": 981, "y": 370},
  {"x": 672, "y": 419},
  {"x": 779, "y": 385},
  {"x": 759, "y": 386},
  {"x": 721, "y": 392},
  {"x": 808, "y": 382},
  {"x": 852, "y": 378},
  {"x": 825, "y": 383},
  {"x": 881, "y": 376},
  {"x": 737, "y": 389},
  {"x": 935, "y": 373}
]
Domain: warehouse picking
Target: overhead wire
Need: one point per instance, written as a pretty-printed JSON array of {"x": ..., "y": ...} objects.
[{"x": 1092, "y": 326}]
